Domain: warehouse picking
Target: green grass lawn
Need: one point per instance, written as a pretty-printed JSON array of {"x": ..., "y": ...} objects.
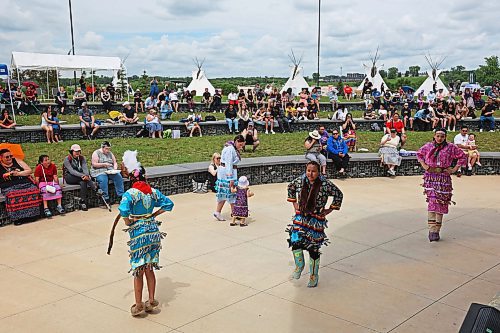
[{"x": 154, "y": 152}]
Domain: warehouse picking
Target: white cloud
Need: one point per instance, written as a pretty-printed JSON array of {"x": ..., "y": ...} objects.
[
  {"x": 254, "y": 38},
  {"x": 92, "y": 41}
]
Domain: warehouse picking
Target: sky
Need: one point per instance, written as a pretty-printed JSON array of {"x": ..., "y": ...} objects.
[{"x": 254, "y": 38}]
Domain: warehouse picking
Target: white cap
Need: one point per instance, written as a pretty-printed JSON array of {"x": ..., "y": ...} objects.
[
  {"x": 76, "y": 147},
  {"x": 126, "y": 103}
]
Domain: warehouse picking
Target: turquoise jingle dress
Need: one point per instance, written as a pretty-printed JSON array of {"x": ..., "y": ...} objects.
[{"x": 145, "y": 237}]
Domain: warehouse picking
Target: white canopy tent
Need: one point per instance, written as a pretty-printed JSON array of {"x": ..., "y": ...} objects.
[{"x": 57, "y": 62}]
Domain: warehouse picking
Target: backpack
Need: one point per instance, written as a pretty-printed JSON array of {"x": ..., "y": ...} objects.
[
  {"x": 375, "y": 127},
  {"x": 167, "y": 133}
]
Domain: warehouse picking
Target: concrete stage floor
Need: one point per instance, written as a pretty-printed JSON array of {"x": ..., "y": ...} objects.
[{"x": 380, "y": 274}]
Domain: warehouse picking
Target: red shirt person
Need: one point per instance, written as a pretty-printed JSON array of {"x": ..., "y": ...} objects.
[{"x": 398, "y": 125}]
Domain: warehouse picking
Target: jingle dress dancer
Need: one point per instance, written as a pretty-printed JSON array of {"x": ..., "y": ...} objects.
[
  {"x": 136, "y": 209},
  {"x": 227, "y": 174},
  {"x": 436, "y": 158},
  {"x": 309, "y": 222}
]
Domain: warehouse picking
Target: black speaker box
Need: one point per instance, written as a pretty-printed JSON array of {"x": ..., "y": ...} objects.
[{"x": 481, "y": 319}]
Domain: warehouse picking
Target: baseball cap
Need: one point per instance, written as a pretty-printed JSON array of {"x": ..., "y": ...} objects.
[
  {"x": 76, "y": 147},
  {"x": 126, "y": 103}
]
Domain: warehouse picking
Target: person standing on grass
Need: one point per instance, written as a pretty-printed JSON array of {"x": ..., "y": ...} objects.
[
  {"x": 309, "y": 194},
  {"x": 227, "y": 174},
  {"x": 436, "y": 158}
]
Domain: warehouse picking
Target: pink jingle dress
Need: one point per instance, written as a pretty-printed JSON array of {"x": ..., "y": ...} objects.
[{"x": 437, "y": 184}]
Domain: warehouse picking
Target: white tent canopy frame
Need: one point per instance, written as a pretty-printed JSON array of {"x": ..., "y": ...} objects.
[{"x": 57, "y": 62}]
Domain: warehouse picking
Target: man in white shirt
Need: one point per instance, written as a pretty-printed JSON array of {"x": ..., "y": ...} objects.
[{"x": 460, "y": 141}]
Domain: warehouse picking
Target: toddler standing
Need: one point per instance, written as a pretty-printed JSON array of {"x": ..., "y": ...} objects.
[{"x": 240, "y": 207}]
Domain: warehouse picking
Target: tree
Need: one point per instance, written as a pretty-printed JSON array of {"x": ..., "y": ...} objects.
[
  {"x": 414, "y": 70},
  {"x": 407, "y": 73},
  {"x": 455, "y": 75},
  {"x": 383, "y": 73},
  {"x": 489, "y": 73},
  {"x": 315, "y": 77},
  {"x": 392, "y": 73}
]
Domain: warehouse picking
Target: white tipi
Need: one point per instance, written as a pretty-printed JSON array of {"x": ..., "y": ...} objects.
[
  {"x": 433, "y": 81},
  {"x": 296, "y": 81},
  {"x": 373, "y": 74},
  {"x": 200, "y": 81}
]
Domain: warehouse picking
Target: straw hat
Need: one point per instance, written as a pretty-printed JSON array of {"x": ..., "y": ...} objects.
[{"x": 315, "y": 135}]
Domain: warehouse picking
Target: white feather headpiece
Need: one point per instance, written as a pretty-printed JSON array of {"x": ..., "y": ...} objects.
[{"x": 130, "y": 161}]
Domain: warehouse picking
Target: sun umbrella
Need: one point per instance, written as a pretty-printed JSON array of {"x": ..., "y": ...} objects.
[
  {"x": 406, "y": 88},
  {"x": 15, "y": 149},
  {"x": 473, "y": 86},
  {"x": 30, "y": 83}
]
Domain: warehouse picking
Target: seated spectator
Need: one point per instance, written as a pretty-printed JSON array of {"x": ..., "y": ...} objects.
[
  {"x": 5, "y": 121},
  {"x": 312, "y": 114},
  {"x": 56, "y": 126},
  {"x": 382, "y": 113},
  {"x": 450, "y": 117},
  {"x": 302, "y": 111},
  {"x": 388, "y": 151},
  {"x": 111, "y": 89},
  {"x": 269, "y": 121},
  {"x": 105, "y": 168},
  {"x": 340, "y": 114},
  {"x": 17, "y": 187},
  {"x": 46, "y": 125},
  {"x": 231, "y": 118},
  {"x": 431, "y": 97},
  {"x": 349, "y": 132},
  {"x": 291, "y": 113},
  {"x": 422, "y": 119},
  {"x": 150, "y": 103},
  {"x": 79, "y": 97},
  {"x": 216, "y": 101},
  {"x": 338, "y": 151},
  {"x": 18, "y": 98},
  {"x": 244, "y": 115},
  {"x": 487, "y": 117},
  {"x": 251, "y": 137},
  {"x": 440, "y": 114},
  {"x": 398, "y": 125},
  {"x": 61, "y": 99},
  {"x": 472, "y": 153},
  {"x": 153, "y": 124},
  {"x": 461, "y": 111},
  {"x": 324, "y": 139},
  {"x": 173, "y": 98},
  {"x": 192, "y": 126},
  {"x": 76, "y": 172},
  {"x": 348, "y": 92},
  {"x": 333, "y": 98},
  {"x": 206, "y": 98},
  {"x": 87, "y": 122},
  {"x": 129, "y": 115},
  {"x": 304, "y": 97},
  {"x": 281, "y": 119},
  {"x": 212, "y": 171},
  {"x": 406, "y": 115},
  {"x": 138, "y": 101},
  {"x": 369, "y": 113},
  {"x": 391, "y": 111},
  {"x": 106, "y": 99},
  {"x": 48, "y": 183},
  {"x": 190, "y": 100},
  {"x": 313, "y": 150},
  {"x": 31, "y": 95}
]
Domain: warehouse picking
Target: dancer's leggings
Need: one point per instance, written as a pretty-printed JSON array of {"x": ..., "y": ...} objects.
[{"x": 313, "y": 254}]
